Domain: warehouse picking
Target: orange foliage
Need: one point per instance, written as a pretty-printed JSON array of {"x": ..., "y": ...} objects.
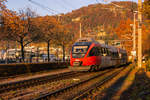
[
  {"x": 146, "y": 39},
  {"x": 124, "y": 32},
  {"x": 2, "y": 4}
]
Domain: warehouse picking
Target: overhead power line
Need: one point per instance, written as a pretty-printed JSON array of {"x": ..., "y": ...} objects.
[
  {"x": 44, "y": 7},
  {"x": 69, "y": 4},
  {"x": 97, "y": 1},
  {"x": 62, "y": 5}
]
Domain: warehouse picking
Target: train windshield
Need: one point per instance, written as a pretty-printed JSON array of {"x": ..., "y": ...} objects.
[{"x": 79, "y": 49}]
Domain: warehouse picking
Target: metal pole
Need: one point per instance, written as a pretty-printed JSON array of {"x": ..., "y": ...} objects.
[
  {"x": 80, "y": 30},
  {"x": 139, "y": 34},
  {"x": 134, "y": 32},
  {"x": 134, "y": 37}
]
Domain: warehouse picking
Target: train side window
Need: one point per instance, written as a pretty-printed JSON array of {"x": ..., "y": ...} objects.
[
  {"x": 104, "y": 52},
  {"x": 117, "y": 54},
  {"x": 91, "y": 53},
  {"x": 108, "y": 52},
  {"x": 94, "y": 52},
  {"x": 100, "y": 51},
  {"x": 113, "y": 54}
]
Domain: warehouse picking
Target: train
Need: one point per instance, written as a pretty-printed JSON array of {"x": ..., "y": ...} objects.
[{"x": 90, "y": 55}]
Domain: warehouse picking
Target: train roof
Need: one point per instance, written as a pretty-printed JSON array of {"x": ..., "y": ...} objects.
[
  {"x": 122, "y": 50},
  {"x": 85, "y": 40},
  {"x": 88, "y": 41},
  {"x": 112, "y": 48}
]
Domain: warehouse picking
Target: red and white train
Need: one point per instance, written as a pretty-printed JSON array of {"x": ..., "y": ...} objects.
[{"x": 88, "y": 54}]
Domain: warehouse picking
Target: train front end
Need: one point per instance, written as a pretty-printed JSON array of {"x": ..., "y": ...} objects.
[{"x": 79, "y": 60}]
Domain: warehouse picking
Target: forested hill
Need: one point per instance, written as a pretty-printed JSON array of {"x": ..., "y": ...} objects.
[{"x": 106, "y": 15}]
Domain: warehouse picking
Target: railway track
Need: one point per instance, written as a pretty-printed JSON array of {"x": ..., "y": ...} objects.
[
  {"x": 88, "y": 91},
  {"x": 68, "y": 91},
  {"x": 37, "y": 81}
]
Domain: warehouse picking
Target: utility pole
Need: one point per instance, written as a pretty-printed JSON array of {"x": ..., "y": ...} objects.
[
  {"x": 80, "y": 30},
  {"x": 78, "y": 19},
  {"x": 139, "y": 34},
  {"x": 134, "y": 37}
]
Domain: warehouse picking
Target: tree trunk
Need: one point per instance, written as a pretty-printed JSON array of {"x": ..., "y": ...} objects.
[
  {"x": 63, "y": 47},
  {"x": 48, "y": 51},
  {"x": 22, "y": 50}
]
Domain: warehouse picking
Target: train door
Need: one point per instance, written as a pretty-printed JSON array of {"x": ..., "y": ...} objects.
[
  {"x": 108, "y": 58},
  {"x": 96, "y": 55},
  {"x": 113, "y": 59},
  {"x": 98, "y": 58},
  {"x": 103, "y": 59}
]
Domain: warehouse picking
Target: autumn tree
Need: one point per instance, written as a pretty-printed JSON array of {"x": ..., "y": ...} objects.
[
  {"x": 2, "y": 8},
  {"x": 2, "y": 4},
  {"x": 145, "y": 29},
  {"x": 18, "y": 27},
  {"x": 146, "y": 39},
  {"x": 63, "y": 38},
  {"x": 124, "y": 32},
  {"x": 146, "y": 8},
  {"x": 48, "y": 27}
]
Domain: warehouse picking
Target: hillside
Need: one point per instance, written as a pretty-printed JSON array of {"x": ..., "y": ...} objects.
[{"x": 106, "y": 16}]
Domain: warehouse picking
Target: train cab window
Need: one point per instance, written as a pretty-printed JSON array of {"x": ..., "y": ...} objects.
[
  {"x": 94, "y": 52},
  {"x": 79, "y": 51}
]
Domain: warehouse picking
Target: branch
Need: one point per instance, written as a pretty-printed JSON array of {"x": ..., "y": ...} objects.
[{"x": 28, "y": 43}]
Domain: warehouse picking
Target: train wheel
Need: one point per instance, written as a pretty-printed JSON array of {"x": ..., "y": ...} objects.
[
  {"x": 92, "y": 68},
  {"x": 97, "y": 68}
]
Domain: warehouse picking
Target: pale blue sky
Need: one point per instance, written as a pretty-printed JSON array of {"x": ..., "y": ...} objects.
[{"x": 60, "y": 6}]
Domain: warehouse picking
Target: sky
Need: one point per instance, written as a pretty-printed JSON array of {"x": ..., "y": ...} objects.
[{"x": 54, "y": 6}]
